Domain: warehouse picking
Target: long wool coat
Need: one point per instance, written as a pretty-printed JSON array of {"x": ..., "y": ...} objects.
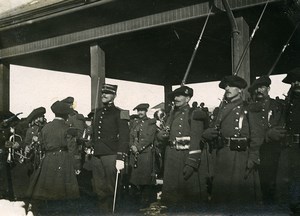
[{"x": 55, "y": 179}]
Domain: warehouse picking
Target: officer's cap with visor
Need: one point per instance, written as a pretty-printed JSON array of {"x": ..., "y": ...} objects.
[
  {"x": 109, "y": 89},
  {"x": 292, "y": 76},
  {"x": 142, "y": 106},
  {"x": 261, "y": 81},
  {"x": 183, "y": 90},
  {"x": 233, "y": 81}
]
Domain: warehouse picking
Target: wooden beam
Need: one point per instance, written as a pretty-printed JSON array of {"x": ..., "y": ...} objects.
[
  {"x": 146, "y": 22},
  {"x": 4, "y": 87},
  {"x": 97, "y": 73}
]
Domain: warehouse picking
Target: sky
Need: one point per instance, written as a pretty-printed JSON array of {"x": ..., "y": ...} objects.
[{"x": 31, "y": 88}]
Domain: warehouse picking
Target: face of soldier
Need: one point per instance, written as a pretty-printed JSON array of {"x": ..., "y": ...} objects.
[
  {"x": 141, "y": 113},
  {"x": 261, "y": 93},
  {"x": 107, "y": 98},
  {"x": 232, "y": 93},
  {"x": 181, "y": 100}
]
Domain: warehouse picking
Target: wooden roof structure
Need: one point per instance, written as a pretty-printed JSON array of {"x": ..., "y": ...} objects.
[{"x": 149, "y": 41}]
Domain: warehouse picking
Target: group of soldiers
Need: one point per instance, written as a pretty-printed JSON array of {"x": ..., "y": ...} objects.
[{"x": 247, "y": 154}]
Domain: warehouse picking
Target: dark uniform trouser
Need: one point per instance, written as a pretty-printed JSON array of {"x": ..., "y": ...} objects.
[
  {"x": 269, "y": 155},
  {"x": 104, "y": 177}
]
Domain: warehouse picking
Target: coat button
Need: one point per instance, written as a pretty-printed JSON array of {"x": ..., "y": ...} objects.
[
  {"x": 59, "y": 168},
  {"x": 180, "y": 125}
]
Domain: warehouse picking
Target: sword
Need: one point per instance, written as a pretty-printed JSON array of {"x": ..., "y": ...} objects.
[{"x": 115, "y": 193}]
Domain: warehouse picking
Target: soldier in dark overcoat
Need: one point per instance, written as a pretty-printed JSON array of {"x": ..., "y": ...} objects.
[
  {"x": 290, "y": 156},
  {"x": 181, "y": 186},
  {"x": 266, "y": 116},
  {"x": 230, "y": 133},
  {"x": 56, "y": 179},
  {"x": 142, "y": 140},
  {"x": 110, "y": 142},
  {"x": 6, "y": 191},
  {"x": 27, "y": 153}
]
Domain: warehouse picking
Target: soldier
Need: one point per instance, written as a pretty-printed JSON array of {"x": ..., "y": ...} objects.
[
  {"x": 75, "y": 119},
  {"x": 230, "y": 133},
  {"x": 142, "y": 141},
  {"x": 267, "y": 116},
  {"x": 291, "y": 155},
  {"x": 5, "y": 174},
  {"x": 181, "y": 187},
  {"x": 55, "y": 179},
  {"x": 33, "y": 151},
  {"x": 77, "y": 124},
  {"x": 28, "y": 153},
  {"x": 110, "y": 140}
]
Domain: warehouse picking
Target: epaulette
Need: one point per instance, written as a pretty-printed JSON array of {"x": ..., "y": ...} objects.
[
  {"x": 124, "y": 114},
  {"x": 199, "y": 115}
]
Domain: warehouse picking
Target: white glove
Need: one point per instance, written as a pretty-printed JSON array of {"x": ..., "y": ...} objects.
[{"x": 120, "y": 165}]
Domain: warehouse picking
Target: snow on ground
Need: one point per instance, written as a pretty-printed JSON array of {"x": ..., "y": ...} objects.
[{"x": 9, "y": 208}]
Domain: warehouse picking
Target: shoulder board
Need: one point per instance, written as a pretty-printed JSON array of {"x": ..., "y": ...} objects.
[{"x": 124, "y": 114}]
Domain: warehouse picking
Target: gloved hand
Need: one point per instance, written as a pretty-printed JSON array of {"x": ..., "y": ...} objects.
[
  {"x": 134, "y": 149},
  {"x": 35, "y": 138},
  {"x": 120, "y": 165},
  {"x": 210, "y": 133},
  {"x": 187, "y": 172},
  {"x": 276, "y": 133},
  {"x": 27, "y": 149}
]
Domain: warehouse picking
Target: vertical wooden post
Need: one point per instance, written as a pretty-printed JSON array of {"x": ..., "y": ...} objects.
[
  {"x": 97, "y": 70},
  {"x": 4, "y": 87}
]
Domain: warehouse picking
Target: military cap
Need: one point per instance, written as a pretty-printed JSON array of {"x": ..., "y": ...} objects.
[
  {"x": 142, "y": 106},
  {"x": 261, "y": 81},
  {"x": 110, "y": 89},
  {"x": 233, "y": 81},
  {"x": 292, "y": 76},
  {"x": 183, "y": 90},
  {"x": 60, "y": 107},
  {"x": 36, "y": 113},
  {"x": 6, "y": 115},
  {"x": 68, "y": 100}
]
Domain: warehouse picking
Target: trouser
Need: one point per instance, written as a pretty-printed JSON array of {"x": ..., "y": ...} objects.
[{"x": 104, "y": 177}]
